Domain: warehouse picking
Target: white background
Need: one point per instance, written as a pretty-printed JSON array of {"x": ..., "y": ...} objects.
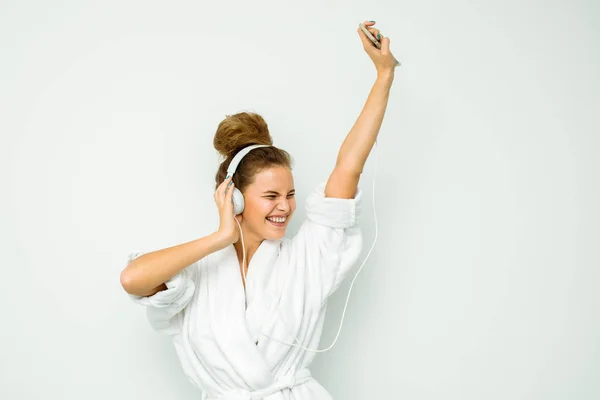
[{"x": 484, "y": 280}]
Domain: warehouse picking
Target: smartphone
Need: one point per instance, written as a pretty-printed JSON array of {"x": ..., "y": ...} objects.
[{"x": 372, "y": 38}]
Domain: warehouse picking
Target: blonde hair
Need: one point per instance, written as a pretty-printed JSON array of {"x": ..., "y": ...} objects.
[{"x": 241, "y": 130}]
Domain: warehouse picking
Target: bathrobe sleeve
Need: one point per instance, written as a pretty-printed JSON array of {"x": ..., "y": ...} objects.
[
  {"x": 164, "y": 308},
  {"x": 331, "y": 237}
]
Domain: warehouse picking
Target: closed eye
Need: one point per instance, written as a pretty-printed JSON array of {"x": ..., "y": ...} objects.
[{"x": 274, "y": 197}]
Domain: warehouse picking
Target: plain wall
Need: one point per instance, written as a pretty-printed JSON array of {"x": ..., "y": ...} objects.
[{"x": 483, "y": 283}]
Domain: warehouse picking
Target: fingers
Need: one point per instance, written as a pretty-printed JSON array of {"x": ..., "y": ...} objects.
[
  {"x": 375, "y": 32},
  {"x": 229, "y": 190},
  {"x": 222, "y": 190},
  {"x": 228, "y": 201},
  {"x": 365, "y": 40},
  {"x": 369, "y": 25},
  {"x": 227, "y": 183},
  {"x": 369, "y": 46},
  {"x": 367, "y": 43},
  {"x": 385, "y": 45}
]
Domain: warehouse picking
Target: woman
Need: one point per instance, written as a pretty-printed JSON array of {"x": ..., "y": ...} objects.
[{"x": 240, "y": 332}]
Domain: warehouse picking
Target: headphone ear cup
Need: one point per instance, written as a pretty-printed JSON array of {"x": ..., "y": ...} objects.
[{"x": 238, "y": 201}]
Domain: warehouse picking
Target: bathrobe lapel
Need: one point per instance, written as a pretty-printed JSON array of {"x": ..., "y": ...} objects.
[{"x": 226, "y": 303}]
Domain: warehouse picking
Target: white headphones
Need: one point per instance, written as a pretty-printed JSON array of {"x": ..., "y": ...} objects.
[{"x": 238, "y": 198}]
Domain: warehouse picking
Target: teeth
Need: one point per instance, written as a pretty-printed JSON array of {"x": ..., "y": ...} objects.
[{"x": 276, "y": 219}]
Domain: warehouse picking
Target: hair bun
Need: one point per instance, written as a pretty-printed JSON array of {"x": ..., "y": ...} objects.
[{"x": 239, "y": 130}]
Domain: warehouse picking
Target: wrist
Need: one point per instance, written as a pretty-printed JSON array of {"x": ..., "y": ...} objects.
[
  {"x": 385, "y": 76},
  {"x": 220, "y": 241}
]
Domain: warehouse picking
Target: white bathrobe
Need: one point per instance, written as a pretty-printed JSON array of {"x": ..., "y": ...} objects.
[{"x": 223, "y": 344}]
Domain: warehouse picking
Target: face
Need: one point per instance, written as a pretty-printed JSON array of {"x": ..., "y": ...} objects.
[{"x": 271, "y": 195}]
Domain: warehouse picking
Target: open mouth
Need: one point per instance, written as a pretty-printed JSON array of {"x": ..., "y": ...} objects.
[{"x": 279, "y": 222}]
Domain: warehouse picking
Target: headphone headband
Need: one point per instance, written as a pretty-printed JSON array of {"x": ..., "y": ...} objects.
[{"x": 238, "y": 158}]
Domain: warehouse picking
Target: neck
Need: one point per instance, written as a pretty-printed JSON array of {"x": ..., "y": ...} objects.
[{"x": 251, "y": 243}]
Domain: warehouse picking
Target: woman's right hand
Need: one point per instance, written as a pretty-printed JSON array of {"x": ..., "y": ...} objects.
[{"x": 228, "y": 228}]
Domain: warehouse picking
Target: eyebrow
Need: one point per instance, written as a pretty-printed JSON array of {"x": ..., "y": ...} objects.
[{"x": 274, "y": 192}]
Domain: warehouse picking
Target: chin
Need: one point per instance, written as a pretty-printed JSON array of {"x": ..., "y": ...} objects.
[
  {"x": 275, "y": 232},
  {"x": 275, "y": 236}
]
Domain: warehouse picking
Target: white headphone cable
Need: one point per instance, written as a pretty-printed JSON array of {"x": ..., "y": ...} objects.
[
  {"x": 244, "y": 251},
  {"x": 351, "y": 285}
]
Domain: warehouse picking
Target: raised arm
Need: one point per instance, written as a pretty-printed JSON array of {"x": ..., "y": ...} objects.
[{"x": 355, "y": 149}]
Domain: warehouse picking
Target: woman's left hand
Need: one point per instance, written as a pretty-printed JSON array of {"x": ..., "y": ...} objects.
[{"x": 383, "y": 59}]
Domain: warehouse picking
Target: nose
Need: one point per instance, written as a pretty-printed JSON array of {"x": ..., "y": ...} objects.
[{"x": 284, "y": 206}]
